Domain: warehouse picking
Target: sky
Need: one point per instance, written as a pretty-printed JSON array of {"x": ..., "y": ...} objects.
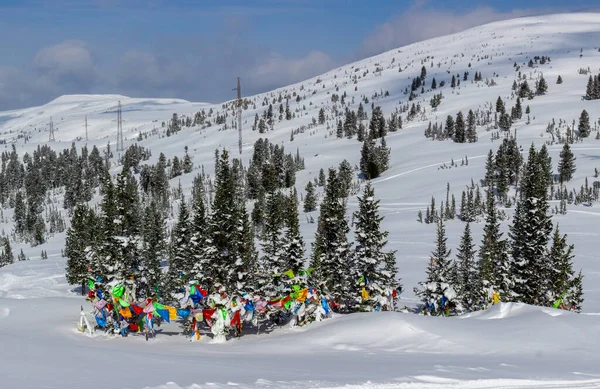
[{"x": 194, "y": 50}]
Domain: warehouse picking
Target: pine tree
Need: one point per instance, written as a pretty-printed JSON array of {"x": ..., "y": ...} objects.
[
  {"x": 293, "y": 245},
  {"x": 530, "y": 233},
  {"x": 273, "y": 261},
  {"x": 154, "y": 246},
  {"x": 321, "y": 116},
  {"x": 6, "y": 257},
  {"x": 559, "y": 80},
  {"x": 188, "y": 165},
  {"x": 439, "y": 273},
  {"x": 584, "y": 124},
  {"x": 468, "y": 279},
  {"x": 450, "y": 127},
  {"x": 180, "y": 264},
  {"x": 490, "y": 171},
  {"x": 505, "y": 122},
  {"x": 345, "y": 175},
  {"x": 566, "y": 165},
  {"x": 494, "y": 265},
  {"x": 322, "y": 177},
  {"x": 542, "y": 86},
  {"x": 373, "y": 265},
  {"x": 339, "y": 129},
  {"x": 78, "y": 238},
  {"x": 310, "y": 200},
  {"x": 563, "y": 282},
  {"x": 459, "y": 129},
  {"x": 331, "y": 249},
  {"x": 471, "y": 133}
]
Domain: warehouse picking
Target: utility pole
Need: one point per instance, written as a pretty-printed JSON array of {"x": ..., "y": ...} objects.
[
  {"x": 239, "y": 112},
  {"x": 51, "y": 139},
  {"x": 120, "y": 146}
]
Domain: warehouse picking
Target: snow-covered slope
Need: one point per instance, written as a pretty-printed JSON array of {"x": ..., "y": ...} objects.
[{"x": 37, "y": 312}]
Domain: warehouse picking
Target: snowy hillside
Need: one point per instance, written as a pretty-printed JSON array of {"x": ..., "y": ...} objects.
[{"x": 508, "y": 346}]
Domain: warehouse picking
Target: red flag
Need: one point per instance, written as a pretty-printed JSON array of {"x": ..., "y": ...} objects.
[
  {"x": 207, "y": 313},
  {"x": 236, "y": 320},
  {"x": 137, "y": 310}
]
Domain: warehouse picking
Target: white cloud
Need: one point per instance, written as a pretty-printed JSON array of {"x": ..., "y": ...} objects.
[
  {"x": 419, "y": 23},
  {"x": 277, "y": 70}
]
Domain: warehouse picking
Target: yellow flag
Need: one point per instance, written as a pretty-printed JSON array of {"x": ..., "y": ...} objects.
[
  {"x": 496, "y": 297},
  {"x": 365, "y": 294},
  {"x": 302, "y": 295}
]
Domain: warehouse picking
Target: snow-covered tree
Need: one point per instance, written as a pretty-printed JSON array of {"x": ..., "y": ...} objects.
[
  {"x": 439, "y": 286},
  {"x": 331, "y": 250},
  {"x": 373, "y": 265}
]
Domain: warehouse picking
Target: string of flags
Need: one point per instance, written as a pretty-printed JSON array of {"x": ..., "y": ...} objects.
[{"x": 117, "y": 311}]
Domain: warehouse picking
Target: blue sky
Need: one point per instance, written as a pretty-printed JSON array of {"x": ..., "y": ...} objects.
[{"x": 195, "y": 49}]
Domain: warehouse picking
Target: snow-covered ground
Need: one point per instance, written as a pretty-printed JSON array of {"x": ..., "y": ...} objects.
[{"x": 509, "y": 346}]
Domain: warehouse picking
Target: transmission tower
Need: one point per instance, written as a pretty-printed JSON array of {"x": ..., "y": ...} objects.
[
  {"x": 120, "y": 146},
  {"x": 51, "y": 139},
  {"x": 86, "y": 128},
  {"x": 239, "y": 112}
]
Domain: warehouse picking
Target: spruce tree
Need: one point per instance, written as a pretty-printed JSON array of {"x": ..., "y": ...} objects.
[
  {"x": 78, "y": 238},
  {"x": 471, "y": 133},
  {"x": 331, "y": 250},
  {"x": 494, "y": 265},
  {"x": 180, "y": 264},
  {"x": 459, "y": 129},
  {"x": 566, "y": 165},
  {"x": 584, "y": 124},
  {"x": 7, "y": 257},
  {"x": 450, "y": 127},
  {"x": 530, "y": 233},
  {"x": 542, "y": 86},
  {"x": 202, "y": 270},
  {"x": 439, "y": 282},
  {"x": 373, "y": 265},
  {"x": 564, "y": 284},
  {"x": 293, "y": 245},
  {"x": 468, "y": 279},
  {"x": 310, "y": 200},
  {"x": 154, "y": 246}
]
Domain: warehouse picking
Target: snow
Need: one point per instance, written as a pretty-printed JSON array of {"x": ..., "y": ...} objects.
[{"x": 507, "y": 346}]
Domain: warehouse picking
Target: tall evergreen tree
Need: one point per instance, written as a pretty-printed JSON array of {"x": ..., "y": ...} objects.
[
  {"x": 293, "y": 245},
  {"x": 468, "y": 279},
  {"x": 584, "y": 124},
  {"x": 154, "y": 247},
  {"x": 331, "y": 250},
  {"x": 180, "y": 264},
  {"x": 494, "y": 263},
  {"x": 79, "y": 237},
  {"x": 471, "y": 132},
  {"x": 310, "y": 200},
  {"x": 530, "y": 233},
  {"x": 566, "y": 165},
  {"x": 438, "y": 285},
  {"x": 459, "y": 129},
  {"x": 373, "y": 265},
  {"x": 564, "y": 284}
]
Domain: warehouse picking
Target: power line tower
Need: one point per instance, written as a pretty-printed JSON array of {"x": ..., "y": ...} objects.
[
  {"x": 239, "y": 112},
  {"x": 86, "y": 128},
  {"x": 120, "y": 146},
  {"x": 51, "y": 138}
]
